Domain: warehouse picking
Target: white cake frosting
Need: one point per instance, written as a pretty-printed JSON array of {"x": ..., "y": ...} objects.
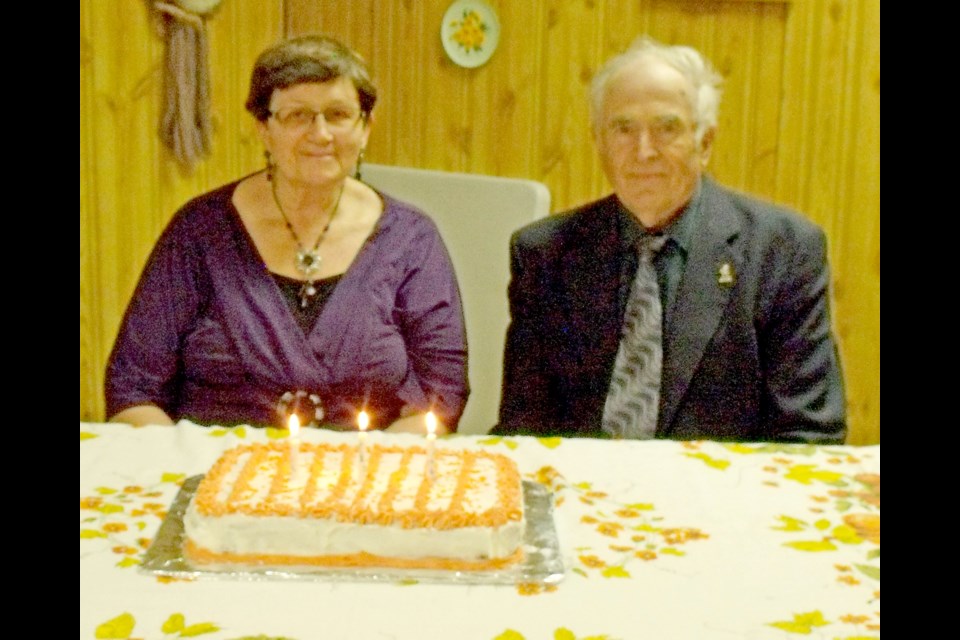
[{"x": 322, "y": 505}]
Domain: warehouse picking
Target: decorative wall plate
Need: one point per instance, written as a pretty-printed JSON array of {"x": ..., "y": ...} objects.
[{"x": 470, "y": 32}]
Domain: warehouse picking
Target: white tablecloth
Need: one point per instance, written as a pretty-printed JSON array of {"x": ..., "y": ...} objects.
[{"x": 660, "y": 539}]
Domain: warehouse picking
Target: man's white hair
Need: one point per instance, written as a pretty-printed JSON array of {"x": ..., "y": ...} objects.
[{"x": 705, "y": 80}]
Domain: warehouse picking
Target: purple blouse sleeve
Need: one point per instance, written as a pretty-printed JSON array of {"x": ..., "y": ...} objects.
[
  {"x": 145, "y": 364},
  {"x": 430, "y": 314}
]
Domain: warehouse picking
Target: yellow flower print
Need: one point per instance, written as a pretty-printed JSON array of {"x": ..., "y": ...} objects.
[
  {"x": 870, "y": 479},
  {"x": 867, "y": 525},
  {"x": 548, "y": 476},
  {"x": 119, "y": 627},
  {"x": 611, "y": 529},
  {"x": 533, "y": 588},
  {"x": 592, "y": 561},
  {"x": 170, "y": 579},
  {"x": 125, "y": 550},
  {"x": 92, "y": 502},
  {"x": 682, "y": 535},
  {"x": 854, "y": 619},
  {"x": 471, "y": 31}
]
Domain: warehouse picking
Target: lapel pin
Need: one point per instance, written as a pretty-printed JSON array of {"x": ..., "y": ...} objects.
[{"x": 726, "y": 275}]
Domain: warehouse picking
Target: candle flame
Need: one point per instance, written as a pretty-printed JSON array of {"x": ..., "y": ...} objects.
[
  {"x": 363, "y": 421},
  {"x": 294, "y": 425},
  {"x": 431, "y": 424}
]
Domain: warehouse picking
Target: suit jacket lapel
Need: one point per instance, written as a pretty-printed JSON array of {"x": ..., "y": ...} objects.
[
  {"x": 590, "y": 273},
  {"x": 708, "y": 279}
]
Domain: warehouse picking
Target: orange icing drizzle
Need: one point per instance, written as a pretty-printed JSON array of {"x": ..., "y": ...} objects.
[
  {"x": 280, "y": 485},
  {"x": 273, "y": 460},
  {"x": 310, "y": 491},
  {"x": 393, "y": 486}
]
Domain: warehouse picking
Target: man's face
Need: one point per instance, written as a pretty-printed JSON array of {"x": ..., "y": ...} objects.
[{"x": 646, "y": 139}]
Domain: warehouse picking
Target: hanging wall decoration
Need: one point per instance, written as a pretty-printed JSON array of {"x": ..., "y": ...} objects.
[
  {"x": 470, "y": 32},
  {"x": 185, "y": 124}
]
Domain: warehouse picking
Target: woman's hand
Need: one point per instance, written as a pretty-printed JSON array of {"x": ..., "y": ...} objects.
[
  {"x": 142, "y": 415},
  {"x": 415, "y": 423}
]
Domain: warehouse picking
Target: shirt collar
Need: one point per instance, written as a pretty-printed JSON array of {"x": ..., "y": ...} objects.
[{"x": 680, "y": 229}]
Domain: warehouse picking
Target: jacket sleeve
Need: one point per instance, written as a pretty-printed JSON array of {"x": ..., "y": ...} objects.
[
  {"x": 524, "y": 404},
  {"x": 803, "y": 396}
]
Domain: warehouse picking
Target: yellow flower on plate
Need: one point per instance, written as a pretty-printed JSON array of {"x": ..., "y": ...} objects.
[{"x": 471, "y": 31}]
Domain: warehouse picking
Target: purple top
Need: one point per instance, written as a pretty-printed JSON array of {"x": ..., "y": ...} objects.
[{"x": 209, "y": 337}]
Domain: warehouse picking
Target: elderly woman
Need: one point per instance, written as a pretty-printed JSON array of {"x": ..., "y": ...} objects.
[{"x": 298, "y": 288}]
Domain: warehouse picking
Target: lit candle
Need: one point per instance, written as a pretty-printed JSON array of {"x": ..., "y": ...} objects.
[
  {"x": 293, "y": 424},
  {"x": 431, "y": 439},
  {"x": 363, "y": 421}
]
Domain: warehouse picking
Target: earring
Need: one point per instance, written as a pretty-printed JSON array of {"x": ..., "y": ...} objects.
[
  {"x": 269, "y": 158},
  {"x": 356, "y": 172}
]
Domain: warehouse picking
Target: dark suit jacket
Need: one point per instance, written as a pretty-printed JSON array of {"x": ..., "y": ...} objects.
[{"x": 748, "y": 349}]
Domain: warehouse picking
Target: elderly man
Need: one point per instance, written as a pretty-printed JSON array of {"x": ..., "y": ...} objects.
[{"x": 674, "y": 307}]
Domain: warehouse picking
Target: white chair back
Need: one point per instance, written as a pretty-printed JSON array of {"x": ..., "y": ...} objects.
[{"x": 476, "y": 215}]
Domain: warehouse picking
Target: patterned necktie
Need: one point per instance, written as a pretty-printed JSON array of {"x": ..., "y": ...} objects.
[{"x": 633, "y": 400}]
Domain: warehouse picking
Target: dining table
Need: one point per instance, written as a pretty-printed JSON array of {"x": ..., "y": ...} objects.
[{"x": 654, "y": 539}]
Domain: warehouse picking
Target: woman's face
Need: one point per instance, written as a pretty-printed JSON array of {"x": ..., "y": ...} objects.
[{"x": 315, "y": 131}]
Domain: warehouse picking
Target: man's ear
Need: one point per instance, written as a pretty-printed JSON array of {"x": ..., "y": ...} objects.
[{"x": 706, "y": 146}]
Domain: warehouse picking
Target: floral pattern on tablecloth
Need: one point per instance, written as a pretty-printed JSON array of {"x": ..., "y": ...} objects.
[
  {"x": 122, "y": 627},
  {"x": 844, "y": 516},
  {"x": 119, "y": 517},
  {"x": 560, "y": 633},
  {"x": 627, "y": 531}
]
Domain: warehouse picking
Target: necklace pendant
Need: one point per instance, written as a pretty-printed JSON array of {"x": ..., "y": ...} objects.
[
  {"x": 307, "y": 291},
  {"x": 308, "y": 262}
]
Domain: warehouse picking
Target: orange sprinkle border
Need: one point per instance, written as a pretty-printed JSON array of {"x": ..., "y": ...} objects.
[{"x": 201, "y": 556}]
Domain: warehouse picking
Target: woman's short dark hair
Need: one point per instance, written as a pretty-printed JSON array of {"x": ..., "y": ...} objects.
[{"x": 307, "y": 59}]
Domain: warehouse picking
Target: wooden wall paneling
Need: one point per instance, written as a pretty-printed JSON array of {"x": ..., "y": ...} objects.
[
  {"x": 514, "y": 99},
  {"x": 857, "y": 227},
  {"x": 90, "y": 300},
  {"x": 410, "y": 75},
  {"x": 766, "y": 100},
  {"x": 568, "y": 163},
  {"x": 728, "y": 51},
  {"x": 449, "y": 91}
]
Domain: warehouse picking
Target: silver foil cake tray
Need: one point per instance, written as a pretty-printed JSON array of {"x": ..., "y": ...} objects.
[{"x": 542, "y": 563}]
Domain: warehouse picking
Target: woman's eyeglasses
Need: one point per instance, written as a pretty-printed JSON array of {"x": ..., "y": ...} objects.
[{"x": 335, "y": 119}]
